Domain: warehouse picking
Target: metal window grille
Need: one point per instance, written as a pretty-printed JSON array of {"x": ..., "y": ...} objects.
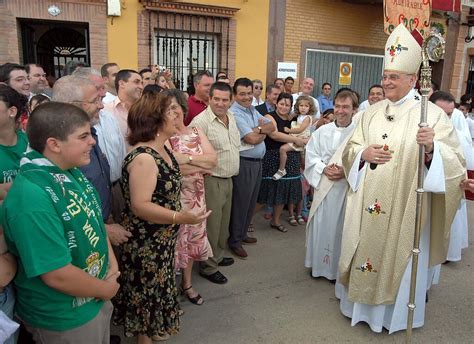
[
  {"x": 185, "y": 53},
  {"x": 187, "y": 43},
  {"x": 470, "y": 78}
]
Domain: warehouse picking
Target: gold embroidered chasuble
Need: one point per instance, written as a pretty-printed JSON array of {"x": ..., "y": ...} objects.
[{"x": 380, "y": 216}]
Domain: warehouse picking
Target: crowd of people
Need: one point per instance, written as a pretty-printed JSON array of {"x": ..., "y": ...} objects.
[{"x": 115, "y": 183}]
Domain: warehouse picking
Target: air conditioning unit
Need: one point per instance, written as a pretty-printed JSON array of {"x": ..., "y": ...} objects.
[{"x": 114, "y": 8}]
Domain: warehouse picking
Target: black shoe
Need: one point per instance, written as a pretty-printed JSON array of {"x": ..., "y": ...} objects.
[
  {"x": 226, "y": 261},
  {"x": 115, "y": 339},
  {"x": 216, "y": 277}
]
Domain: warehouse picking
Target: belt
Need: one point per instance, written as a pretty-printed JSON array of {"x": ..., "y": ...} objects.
[
  {"x": 221, "y": 177},
  {"x": 250, "y": 159}
]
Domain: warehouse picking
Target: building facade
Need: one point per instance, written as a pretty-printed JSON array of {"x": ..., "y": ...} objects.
[{"x": 241, "y": 37}]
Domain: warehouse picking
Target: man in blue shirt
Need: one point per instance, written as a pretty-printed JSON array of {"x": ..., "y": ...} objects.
[
  {"x": 253, "y": 128},
  {"x": 325, "y": 101}
]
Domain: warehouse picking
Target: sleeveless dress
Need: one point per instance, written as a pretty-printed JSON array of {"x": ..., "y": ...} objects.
[
  {"x": 146, "y": 302},
  {"x": 192, "y": 243},
  {"x": 287, "y": 189}
]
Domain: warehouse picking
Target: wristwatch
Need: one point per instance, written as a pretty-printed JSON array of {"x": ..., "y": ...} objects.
[
  {"x": 190, "y": 159},
  {"x": 259, "y": 129}
]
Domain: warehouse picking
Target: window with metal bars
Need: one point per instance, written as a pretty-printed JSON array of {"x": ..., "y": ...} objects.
[
  {"x": 185, "y": 53},
  {"x": 470, "y": 77}
]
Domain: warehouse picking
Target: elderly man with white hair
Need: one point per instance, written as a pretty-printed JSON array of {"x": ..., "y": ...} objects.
[
  {"x": 306, "y": 89},
  {"x": 83, "y": 93},
  {"x": 380, "y": 162}
]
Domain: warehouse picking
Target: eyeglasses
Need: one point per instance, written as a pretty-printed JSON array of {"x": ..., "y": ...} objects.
[
  {"x": 97, "y": 100},
  {"x": 392, "y": 77},
  {"x": 258, "y": 87}
]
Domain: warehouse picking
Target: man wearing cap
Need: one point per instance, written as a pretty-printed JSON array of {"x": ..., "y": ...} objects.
[{"x": 380, "y": 162}]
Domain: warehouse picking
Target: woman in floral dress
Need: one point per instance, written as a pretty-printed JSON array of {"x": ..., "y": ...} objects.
[
  {"x": 196, "y": 157},
  {"x": 147, "y": 302}
]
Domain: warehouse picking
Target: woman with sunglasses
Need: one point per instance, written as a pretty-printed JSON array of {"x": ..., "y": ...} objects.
[{"x": 257, "y": 92}]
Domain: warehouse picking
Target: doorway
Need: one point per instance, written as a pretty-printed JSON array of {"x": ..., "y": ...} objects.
[{"x": 52, "y": 44}]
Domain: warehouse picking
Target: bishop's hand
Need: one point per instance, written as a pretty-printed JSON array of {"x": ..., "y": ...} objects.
[
  {"x": 375, "y": 154},
  {"x": 425, "y": 136}
]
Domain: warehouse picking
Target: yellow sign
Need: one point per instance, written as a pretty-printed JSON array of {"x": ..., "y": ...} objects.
[
  {"x": 414, "y": 14},
  {"x": 345, "y": 73}
]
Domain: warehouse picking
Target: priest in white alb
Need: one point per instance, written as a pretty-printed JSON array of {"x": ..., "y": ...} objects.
[
  {"x": 458, "y": 239},
  {"x": 324, "y": 172},
  {"x": 380, "y": 161}
]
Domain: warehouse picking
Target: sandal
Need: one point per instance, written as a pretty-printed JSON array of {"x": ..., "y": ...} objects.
[
  {"x": 160, "y": 337},
  {"x": 250, "y": 229},
  {"x": 300, "y": 220},
  {"x": 279, "y": 174},
  {"x": 281, "y": 228},
  {"x": 292, "y": 221},
  {"x": 197, "y": 300}
]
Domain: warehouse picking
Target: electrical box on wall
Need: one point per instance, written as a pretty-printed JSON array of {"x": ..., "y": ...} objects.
[{"x": 114, "y": 8}]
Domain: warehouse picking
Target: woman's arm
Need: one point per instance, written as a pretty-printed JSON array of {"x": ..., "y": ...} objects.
[
  {"x": 298, "y": 130},
  {"x": 188, "y": 169},
  {"x": 282, "y": 137},
  {"x": 142, "y": 181}
]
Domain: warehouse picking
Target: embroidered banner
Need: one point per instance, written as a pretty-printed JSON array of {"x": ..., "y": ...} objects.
[{"x": 414, "y": 14}]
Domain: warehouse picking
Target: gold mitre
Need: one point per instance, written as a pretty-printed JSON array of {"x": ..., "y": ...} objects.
[{"x": 402, "y": 52}]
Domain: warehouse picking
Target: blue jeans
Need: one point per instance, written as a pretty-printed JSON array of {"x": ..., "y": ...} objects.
[{"x": 7, "y": 305}]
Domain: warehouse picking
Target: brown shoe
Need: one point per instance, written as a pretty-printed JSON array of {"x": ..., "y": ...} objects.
[
  {"x": 239, "y": 252},
  {"x": 249, "y": 241}
]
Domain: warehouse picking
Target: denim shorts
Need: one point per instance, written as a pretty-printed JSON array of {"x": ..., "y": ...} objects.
[{"x": 7, "y": 305}]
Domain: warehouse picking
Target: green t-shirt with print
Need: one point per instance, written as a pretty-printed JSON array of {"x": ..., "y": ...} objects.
[
  {"x": 10, "y": 157},
  {"x": 36, "y": 234}
]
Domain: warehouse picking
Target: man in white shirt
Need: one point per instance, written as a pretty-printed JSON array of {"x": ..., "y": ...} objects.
[
  {"x": 465, "y": 108},
  {"x": 458, "y": 239},
  {"x": 376, "y": 94},
  {"x": 109, "y": 72},
  {"x": 306, "y": 88}
]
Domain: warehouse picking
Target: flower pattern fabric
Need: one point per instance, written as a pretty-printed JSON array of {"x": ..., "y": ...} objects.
[
  {"x": 147, "y": 301},
  {"x": 192, "y": 241}
]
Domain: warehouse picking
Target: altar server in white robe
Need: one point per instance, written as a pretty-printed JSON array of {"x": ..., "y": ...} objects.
[
  {"x": 324, "y": 172},
  {"x": 380, "y": 163},
  {"x": 458, "y": 239}
]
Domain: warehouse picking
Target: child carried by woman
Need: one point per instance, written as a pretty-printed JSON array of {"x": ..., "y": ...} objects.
[{"x": 304, "y": 110}]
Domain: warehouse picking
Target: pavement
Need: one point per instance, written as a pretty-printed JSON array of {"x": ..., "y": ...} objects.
[{"x": 271, "y": 298}]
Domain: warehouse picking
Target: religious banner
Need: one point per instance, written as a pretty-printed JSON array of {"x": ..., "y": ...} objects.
[{"x": 414, "y": 14}]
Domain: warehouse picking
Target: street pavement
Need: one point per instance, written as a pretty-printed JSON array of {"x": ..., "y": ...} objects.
[{"x": 271, "y": 298}]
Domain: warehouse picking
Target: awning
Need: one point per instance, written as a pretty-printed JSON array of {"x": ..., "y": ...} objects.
[{"x": 446, "y": 5}]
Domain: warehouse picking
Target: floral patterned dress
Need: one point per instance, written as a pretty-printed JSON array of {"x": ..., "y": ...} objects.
[
  {"x": 192, "y": 241},
  {"x": 146, "y": 302}
]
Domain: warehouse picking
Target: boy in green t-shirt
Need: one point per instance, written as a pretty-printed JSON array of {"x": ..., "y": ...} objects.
[
  {"x": 13, "y": 144},
  {"x": 53, "y": 225}
]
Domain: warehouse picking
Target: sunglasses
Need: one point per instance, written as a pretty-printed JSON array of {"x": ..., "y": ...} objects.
[{"x": 258, "y": 88}]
